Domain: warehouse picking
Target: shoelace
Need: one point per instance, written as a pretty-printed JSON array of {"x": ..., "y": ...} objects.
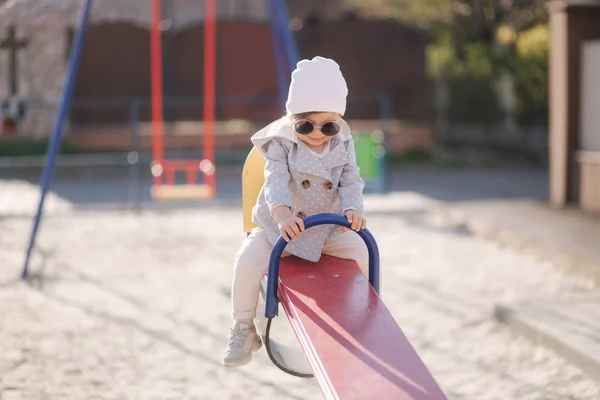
[{"x": 238, "y": 336}]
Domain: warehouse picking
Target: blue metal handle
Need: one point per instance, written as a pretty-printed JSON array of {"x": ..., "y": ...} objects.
[{"x": 272, "y": 302}]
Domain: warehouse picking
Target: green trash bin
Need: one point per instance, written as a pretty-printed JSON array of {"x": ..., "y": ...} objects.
[{"x": 370, "y": 153}]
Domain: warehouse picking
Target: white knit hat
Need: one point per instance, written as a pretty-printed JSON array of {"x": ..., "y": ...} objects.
[{"x": 317, "y": 85}]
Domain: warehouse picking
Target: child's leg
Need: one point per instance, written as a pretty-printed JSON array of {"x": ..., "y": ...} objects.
[
  {"x": 349, "y": 245},
  {"x": 251, "y": 264}
]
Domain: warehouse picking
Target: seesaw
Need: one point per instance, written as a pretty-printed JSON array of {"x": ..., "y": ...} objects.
[{"x": 338, "y": 330}]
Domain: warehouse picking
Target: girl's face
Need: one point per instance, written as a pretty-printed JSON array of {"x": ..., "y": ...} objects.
[{"x": 316, "y": 139}]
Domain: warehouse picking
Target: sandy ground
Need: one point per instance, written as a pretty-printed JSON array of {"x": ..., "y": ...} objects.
[{"x": 136, "y": 306}]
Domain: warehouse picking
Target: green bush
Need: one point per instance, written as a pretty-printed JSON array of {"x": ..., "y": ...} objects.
[
  {"x": 473, "y": 76},
  {"x": 530, "y": 68}
]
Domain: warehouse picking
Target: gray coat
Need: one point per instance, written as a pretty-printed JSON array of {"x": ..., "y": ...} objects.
[{"x": 308, "y": 184}]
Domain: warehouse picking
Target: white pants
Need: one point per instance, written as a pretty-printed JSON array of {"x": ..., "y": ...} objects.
[{"x": 252, "y": 264}]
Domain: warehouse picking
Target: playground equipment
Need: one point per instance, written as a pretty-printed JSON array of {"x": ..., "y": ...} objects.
[
  {"x": 345, "y": 337},
  {"x": 58, "y": 127},
  {"x": 164, "y": 171}
]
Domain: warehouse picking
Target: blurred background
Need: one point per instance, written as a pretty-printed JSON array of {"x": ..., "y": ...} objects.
[
  {"x": 448, "y": 83},
  {"x": 476, "y": 122}
]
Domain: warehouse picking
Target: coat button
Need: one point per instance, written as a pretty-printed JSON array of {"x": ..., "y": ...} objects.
[
  {"x": 301, "y": 214},
  {"x": 328, "y": 185},
  {"x": 305, "y": 184}
]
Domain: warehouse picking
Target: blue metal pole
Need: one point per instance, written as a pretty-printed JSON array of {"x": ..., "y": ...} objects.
[
  {"x": 58, "y": 127},
  {"x": 309, "y": 222},
  {"x": 277, "y": 53},
  {"x": 287, "y": 35}
]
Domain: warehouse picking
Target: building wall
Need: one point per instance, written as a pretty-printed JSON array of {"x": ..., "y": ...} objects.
[
  {"x": 397, "y": 69},
  {"x": 582, "y": 25},
  {"x": 115, "y": 61},
  {"x": 571, "y": 24},
  {"x": 322, "y": 9},
  {"x": 590, "y": 96},
  {"x": 42, "y": 65}
]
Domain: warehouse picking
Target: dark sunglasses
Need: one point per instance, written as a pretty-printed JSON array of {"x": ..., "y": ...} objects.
[{"x": 305, "y": 126}]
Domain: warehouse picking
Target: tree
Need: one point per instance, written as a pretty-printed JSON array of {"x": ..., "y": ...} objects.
[{"x": 470, "y": 21}]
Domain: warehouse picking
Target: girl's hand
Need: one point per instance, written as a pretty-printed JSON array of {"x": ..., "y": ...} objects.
[
  {"x": 358, "y": 221},
  {"x": 291, "y": 227}
]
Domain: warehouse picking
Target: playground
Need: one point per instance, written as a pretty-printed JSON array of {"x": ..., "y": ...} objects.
[
  {"x": 126, "y": 305},
  {"x": 117, "y": 267}
]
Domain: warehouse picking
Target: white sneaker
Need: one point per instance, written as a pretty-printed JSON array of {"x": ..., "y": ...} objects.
[{"x": 243, "y": 340}]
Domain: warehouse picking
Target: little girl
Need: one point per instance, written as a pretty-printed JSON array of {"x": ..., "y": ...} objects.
[{"x": 310, "y": 169}]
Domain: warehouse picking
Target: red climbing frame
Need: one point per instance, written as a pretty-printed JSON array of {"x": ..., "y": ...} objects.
[
  {"x": 210, "y": 79},
  {"x": 163, "y": 171}
]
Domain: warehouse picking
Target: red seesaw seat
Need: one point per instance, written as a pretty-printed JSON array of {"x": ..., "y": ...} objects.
[{"x": 350, "y": 339}]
